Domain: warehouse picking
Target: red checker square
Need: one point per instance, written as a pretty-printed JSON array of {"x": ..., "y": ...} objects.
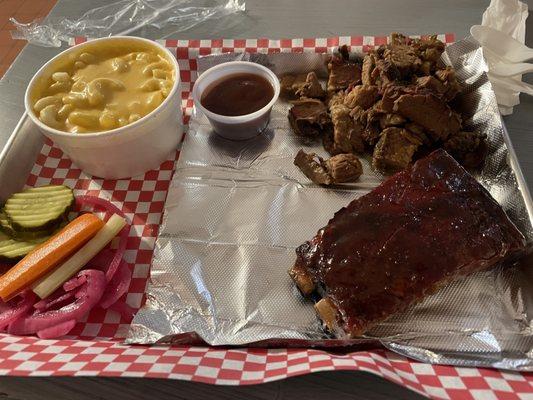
[
  {"x": 239, "y": 43},
  {"x": 211, "y": 362},
  {"x": 501, "y": 395},
  {"x": 163, "y": 375},
  {"x": 297, "y": 50},
  {"x": 129, "y": 206},
  {"x": 128, "y": 358},
  {"x": 251, "y": 49},
  {"x": 182, "y": 53},
  {"x": 184, "y": 96},
  {"x": 35, "y": 348},
  {"x": 133, "y": 243},
  {"x": 278, "y": 357},
  {"x": 402, "y": 366},
  {"x": 57, "y": 181},
  {"x": 367, "y": 48},
  {"x": 204, "y": 51},
  {"x": 520, "y": 386},
  {"x": 380, "y": 40},
  {"x": 108, "y": 330},
  {"x": 82, "y": 184},
  {"x": 229, "y": 374},
  {"x": 156, "y": 206},
  {"x": 429, "y": 380},
  {"x": 84, "y": 357},
  {"x": 193, "y": 64},
  {"x": 32, "y": 179},
  {"x": 48, "y": 142},
  {"x": 297, "y": 361},
  {"x": 472, "y": 382},
  {"x": 119, "y": 195},
  {"x": 135, "y": 184},
  {"x": 94, "y": 366},
  {"x": 449, "y": 38},
  {"x": 146, "y": 196},
  {"x": 47, "y": 172},
  {"x": 79, "y": 40},
  {"x": 41, "y": 159},
  {"x": 77, "y": 330},
  {"x": 53, "y": 366},
  {"x": 227, "y": 49},
  {"x": 253, "y": 366},
  {"x": 236, "y": 355},
  {"x": 137, "y": 285},
  {"x": 113, "y": 350},
  {"x": 275, "y": 372},
  {"x": 55, "y": 153},
  {"x": 321, "y": 50},
  {"x": 309, "y": 42},
  {"x": 109, "y": 185},
  {"x": 333, "y": 41},
  {"x": 143, "y": 257},
  {"x": 41, "y": 357},
  {"x": 444, "y": 370},
  {"x": 162, "y": 185},
  {"x": 64, "y": 163},
  {"x": 112, "y": 373},
  {"x": 185, "y": 75},
  {"x": 194, "y": 43},
  {"x": 321, "y": 364},
  {"x": 73, "y": 174},
  {"x": 167, "y": 165},
  {"x": 184, "y": 369},
  {"x": 216, "y": 43},
  {"x": 492, "y": 373},
  {"x": 139, "y": 218},
  {"x": 151, "y": 175},
  {"x": 171, "y": 43},
  {"x": 96, "y": 315},
  {"x": 9, "y": 364},
  {"x": 287, "y": 43},
  {"x": 356, "y": 41},
  {"x": 273, "y": 50},
  {"x": 262, "y": 42},
  {"x": 139, "y": 367}
]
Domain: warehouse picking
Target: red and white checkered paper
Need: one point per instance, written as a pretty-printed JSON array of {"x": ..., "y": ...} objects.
[{"x": 94, "y": 347}]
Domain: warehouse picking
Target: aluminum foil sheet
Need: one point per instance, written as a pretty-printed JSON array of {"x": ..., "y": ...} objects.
[{"x": 236, "y": 211}]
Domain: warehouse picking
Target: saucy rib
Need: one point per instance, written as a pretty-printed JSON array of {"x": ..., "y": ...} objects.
[{"x": 420, "y": 229}]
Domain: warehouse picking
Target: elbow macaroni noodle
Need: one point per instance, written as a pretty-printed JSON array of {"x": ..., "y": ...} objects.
[{"x": 96, "y": 93}]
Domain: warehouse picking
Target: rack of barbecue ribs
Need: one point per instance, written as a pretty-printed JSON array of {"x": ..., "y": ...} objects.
[{"x": 420, "y": 229}]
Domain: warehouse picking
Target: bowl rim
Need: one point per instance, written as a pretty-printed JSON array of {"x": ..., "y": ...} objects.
[
  {"x": 236, "y": 119},
  {"x": 112, "y": 132}
]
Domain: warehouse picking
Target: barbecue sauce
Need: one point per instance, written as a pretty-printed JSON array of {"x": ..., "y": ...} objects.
[{"x": 237, "y": 94}]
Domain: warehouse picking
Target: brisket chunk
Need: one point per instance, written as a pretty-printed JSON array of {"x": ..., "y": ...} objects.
[
  {"x": 341, "y": 168},
  {"x": 308, "y": 117},
  {"x": 394, "y": 150},
  {"x": 343, "y": 73},
  {"x": 419, "y": 230},
  {"x": 431, "y": 113},
  {"x": 301, "y": 85}
]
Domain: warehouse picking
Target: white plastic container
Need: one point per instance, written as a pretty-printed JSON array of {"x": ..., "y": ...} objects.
[
  {"x": 126, "y": 151},
  {"x": 239, "y": 127}
]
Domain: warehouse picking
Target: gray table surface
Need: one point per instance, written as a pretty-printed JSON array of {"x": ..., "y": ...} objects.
[{"x": 273, "y": 19}]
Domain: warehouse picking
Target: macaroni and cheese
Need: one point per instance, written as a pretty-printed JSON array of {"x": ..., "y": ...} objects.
[{"x": 103, "y": 88}]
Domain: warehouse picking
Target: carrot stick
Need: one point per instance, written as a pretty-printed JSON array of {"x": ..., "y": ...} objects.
[{"x": 48, "y": 255}]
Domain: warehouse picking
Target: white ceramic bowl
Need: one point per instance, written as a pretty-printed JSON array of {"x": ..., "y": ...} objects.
[
  {"x": 126, "y": 151},
  {"x": 240, "y": 127}
]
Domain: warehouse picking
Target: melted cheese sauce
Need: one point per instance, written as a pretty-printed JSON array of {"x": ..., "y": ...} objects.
[{"x": 103, "y": 88}]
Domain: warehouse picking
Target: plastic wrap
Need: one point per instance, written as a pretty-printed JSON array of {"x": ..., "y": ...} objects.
[{"x": 125, "y": 17}]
